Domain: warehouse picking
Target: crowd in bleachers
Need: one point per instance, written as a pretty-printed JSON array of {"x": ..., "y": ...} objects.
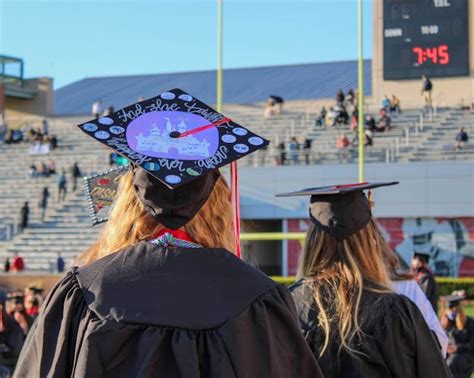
[{"x": 40, "y": 140}]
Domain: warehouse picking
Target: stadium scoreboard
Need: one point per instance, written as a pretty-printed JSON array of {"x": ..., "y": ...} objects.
[{"x": 427, "y": 37}]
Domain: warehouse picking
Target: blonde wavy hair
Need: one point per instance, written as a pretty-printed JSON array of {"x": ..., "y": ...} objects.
[
  {"x": 129, "y": 223},
  {"x": 338, "y": 274}
]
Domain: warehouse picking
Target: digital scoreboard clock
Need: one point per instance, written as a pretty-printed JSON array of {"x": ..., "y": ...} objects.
[{"x": 427, "y": 37}]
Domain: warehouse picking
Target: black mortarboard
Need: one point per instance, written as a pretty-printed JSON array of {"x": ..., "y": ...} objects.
[
  {"x": 16, "y": 298},
  {"x": 339, "y": 210},
  {"x": 177, "y": 140},
  {"x": 423, "y": 255},
  {"x": 100, "y": 190},
  {"x": 454, "y": 299},
  {"x": 36, "y": 290}
]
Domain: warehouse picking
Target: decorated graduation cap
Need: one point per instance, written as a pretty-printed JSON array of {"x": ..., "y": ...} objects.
[
  {"x": 339, "y": 210},
  {"x": 175, "y": 143},
  {"x": 174, "y": 137},
  {"x": 100, "y": 190}
]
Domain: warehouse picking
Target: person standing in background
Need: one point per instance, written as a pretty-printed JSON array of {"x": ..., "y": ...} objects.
[
  {"x": 6, "y": 265},
  {"x": 45, "y": 127},
  {"x": 62, "y": 185},
  {"x": 426, "y": 90},
  {"x": 75, "y": 173},
  {"x": 307, "y": 149},
  {"x": 425, "y": 278},
  {"x": 282, "y": 149},
  {"x": 97, "y": 108},
  {"x": 43, "y": 203},
  {"x": 24, "y": 215}
]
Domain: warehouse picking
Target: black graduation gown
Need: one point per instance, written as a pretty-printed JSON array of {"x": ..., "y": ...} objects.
[
  {"x": 149, "y": 311},
  {"x": 397, "y": 341},
  {"x": 461, "y": 363},
  {"x": 427, "y": 283}
]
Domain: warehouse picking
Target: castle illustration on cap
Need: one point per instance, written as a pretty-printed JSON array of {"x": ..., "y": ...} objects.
[{"x": 174, "y": 137}]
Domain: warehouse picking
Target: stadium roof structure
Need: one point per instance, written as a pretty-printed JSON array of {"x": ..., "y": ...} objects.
[{"x": 241, "y": 85}]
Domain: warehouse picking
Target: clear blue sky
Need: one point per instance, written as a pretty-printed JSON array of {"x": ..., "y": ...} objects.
[{"x": 71, "y": 39}]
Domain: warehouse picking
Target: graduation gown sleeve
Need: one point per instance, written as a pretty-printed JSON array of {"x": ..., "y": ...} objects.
[
  {"x": 405, "y": 325},
  {"x": 276, "y": 331}
]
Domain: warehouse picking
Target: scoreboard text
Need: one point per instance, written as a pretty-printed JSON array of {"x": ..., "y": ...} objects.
[{"x": 427, "y": 37}]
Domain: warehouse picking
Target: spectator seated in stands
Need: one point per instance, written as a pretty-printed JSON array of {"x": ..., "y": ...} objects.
[
  {"x": 386, "y": 104},
  {"x": 32, "y": 171},
  {"x": 384, "y": 123},
  {"x": 52, "y": 167},
  {"x": 307, "y": 149},
  {"x": 53, "y": 141},
  {"x": 274, "y": 106},
  {"x": 282, "y": 149},
  {"x": 370, "y": 122},
  {"x": 368, "y": 139},
  {"x": 39, "y": 149},
  {"x": 13, "y": 136},
  {"x": 331, "y": 117},
  {"x": 395, "y": 105},
  {"x": 354, "y": 121},
  {"x": 461, "y": 139},
  {"x": 339, "y": 115},
  {"x": 342, "y": 144},
  {"x": 293, "y": 147},
  {"x": 321, "y": 119}
]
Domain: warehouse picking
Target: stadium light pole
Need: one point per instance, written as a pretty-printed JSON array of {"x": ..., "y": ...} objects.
[{"x": 360, "y": 103}]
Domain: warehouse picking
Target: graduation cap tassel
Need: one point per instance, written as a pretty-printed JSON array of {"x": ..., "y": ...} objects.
[
  {"x": 370, "y": 199},
  {"x": 234, "y": 188}
]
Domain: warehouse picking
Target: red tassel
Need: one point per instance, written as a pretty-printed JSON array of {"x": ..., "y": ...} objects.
[
  {"x": 370, "y": 198},
  {"x": 234, "y": 190}
]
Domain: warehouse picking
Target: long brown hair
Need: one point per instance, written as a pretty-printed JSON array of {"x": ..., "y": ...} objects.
[
  {"x": 129, "y": 223},
  {"x": 338, "y": 273}
]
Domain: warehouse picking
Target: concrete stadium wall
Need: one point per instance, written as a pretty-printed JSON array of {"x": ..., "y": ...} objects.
[
  {"x": 41, "y": 104},
  {"x": 427, "y": 189},
  {"x": 447, "y": 92}
]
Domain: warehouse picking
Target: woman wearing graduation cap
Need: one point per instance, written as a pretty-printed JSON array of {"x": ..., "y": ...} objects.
[
  {"x": 460, "y": 329},
  {"x": 355, "y": 325},
  {"x": 161, "y": 292}
]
